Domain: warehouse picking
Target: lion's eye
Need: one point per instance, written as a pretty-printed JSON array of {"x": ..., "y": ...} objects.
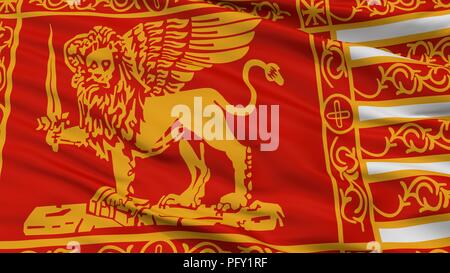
[
  {"x": 94, "y": 65},
  {"x": 106, "y": 64}
]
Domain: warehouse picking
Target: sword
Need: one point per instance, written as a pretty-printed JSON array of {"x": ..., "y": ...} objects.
[{"x": 56, "y": 120}]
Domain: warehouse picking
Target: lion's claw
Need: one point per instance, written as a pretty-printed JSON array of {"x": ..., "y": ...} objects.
[
  {"x": 175, "y": 199},
  {"x": 223, "y": 207},
  {"x": 116, "y": 200},
  {"x": 233, "y": 201}
]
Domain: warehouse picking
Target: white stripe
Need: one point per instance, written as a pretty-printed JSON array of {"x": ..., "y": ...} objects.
[
  {"x": 418, "y": 233},
  {"x": 387, "y": 31},
  {"x": 363, "y": 52},
  {"x": 387, "y": 167},
  {"x": 428, "y": 110}
]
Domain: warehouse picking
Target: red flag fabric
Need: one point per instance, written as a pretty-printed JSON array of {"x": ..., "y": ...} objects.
[{"x": 224, "y": 126}]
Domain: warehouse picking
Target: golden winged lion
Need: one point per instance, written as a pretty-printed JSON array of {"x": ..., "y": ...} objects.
[{"x": 127, "y": 86}]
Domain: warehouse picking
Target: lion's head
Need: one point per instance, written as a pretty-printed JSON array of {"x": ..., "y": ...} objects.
[
  {"x": 93, "y": 57},
  {"x": 109, "y": 97}
]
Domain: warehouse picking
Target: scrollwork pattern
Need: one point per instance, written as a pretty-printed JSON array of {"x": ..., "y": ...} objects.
[
  {"x": 345, "y": 161},
  {"x": 115, "y": 5},
  {"x": 116, "y": 249},
  {"x": 407, "y": 80},
  {"x": 61, "y": 4},
  {"x": 5, "y": 42},
  {"x": 332, "y": 63},
  {"x": 256, "y": 249},
  {"x": 380, "y": 8},
  {"x": 441, "y": 4},
  {"x": 204, "y": 247},
  {"x": 414, "y": 192},
  {"x": 169, "y": 246},
  {"x": 409, "y": 132},
  {"x": 432, "y": 52},
  {"x": 266, "y": 10}
]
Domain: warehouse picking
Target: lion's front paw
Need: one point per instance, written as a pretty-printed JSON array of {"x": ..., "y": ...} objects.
[
  {"x": 116, "y": 200},
  {"x": 126, "y": 203},
  {"x": 232, "y": 201},
  {"x": 172, "y": 199},
  {"x": 104, "y": 200}
]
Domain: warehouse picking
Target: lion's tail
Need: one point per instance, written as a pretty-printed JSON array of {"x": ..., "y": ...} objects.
[
  {"x": 272, "y": 74},
  {"x": 250, "y": 107}
]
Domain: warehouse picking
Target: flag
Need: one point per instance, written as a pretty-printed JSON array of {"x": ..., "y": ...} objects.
[{"x": 224, "y": 126}]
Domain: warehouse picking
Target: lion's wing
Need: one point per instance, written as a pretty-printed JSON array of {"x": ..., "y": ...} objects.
[{"x": 166, "y": 54}]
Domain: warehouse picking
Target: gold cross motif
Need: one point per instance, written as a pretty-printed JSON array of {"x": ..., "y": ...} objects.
[{"x": 338, "y": 115}]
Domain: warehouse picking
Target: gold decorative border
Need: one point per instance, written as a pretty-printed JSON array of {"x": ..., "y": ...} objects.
[
  {"x": 266, "y": 9},
  {"x": 245, "y": 242},
  {"x": 325, "y": 142},
  {"x": 379, "y": 7},
  {"x": 320, "y": 9},
  {"x": 7, "y": 83},
  {"x": 10, "y": 6},
  {"x": 114, "y": 5},
  {"x": 170, "y": 242},
  {"x": 6, "y": 34},
  {"x": 333, "y": 64},
  {"x": 175, "y": 242},
  {"x": 341, "y": 146},
  {"x": 20, "y": 14},
  {"x": 317, "y": 15},
  {"x": 108, "y": 242},
  {"x": 412, "y": 192},
  {"x": 132, "y": 8}
]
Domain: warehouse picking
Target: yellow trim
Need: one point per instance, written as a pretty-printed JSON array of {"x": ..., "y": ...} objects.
[
  {"x": 405, "y": 39},
  {"x": 362, "y": 166},
  {"x": 376, "y": 178},
  {"x": 421, "y": 245},
  {"x": 381, "y": 60},
  {"x": 392, "y": 121},
  {"x": 9, "y": 85},
  {"x": 299, "y": 12},
  {"x": 381, "y": 21},
  {"x": 383, "y": 177},
  {"x": 384, "y": 21},
  {"x": 223, "y": 237},
  {"x": 418, "y": 159},
  {"x": 238, "y": 238},
  {"x": 390, "y": 20},
  {"x": 414, "y": 221},
  {"x": 405, "y": 101},
  {"x": 174, "y": 235},
  {"x": 399, "y": 102},
  {"x": 314, "y": 30},
  {"x": 325, "y": 142},
  {"x": 328, "y": 13},
  {"x": 173, "y": 10}
]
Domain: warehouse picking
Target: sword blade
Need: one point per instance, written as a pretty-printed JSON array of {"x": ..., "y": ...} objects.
[{"x": 53, "y": 103}]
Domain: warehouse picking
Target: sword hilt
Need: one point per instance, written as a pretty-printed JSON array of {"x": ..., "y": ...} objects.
[{"x": 53, "y": 126}]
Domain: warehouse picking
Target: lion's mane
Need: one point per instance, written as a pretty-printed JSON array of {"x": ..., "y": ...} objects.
[{"x": 109, "y": 113}]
